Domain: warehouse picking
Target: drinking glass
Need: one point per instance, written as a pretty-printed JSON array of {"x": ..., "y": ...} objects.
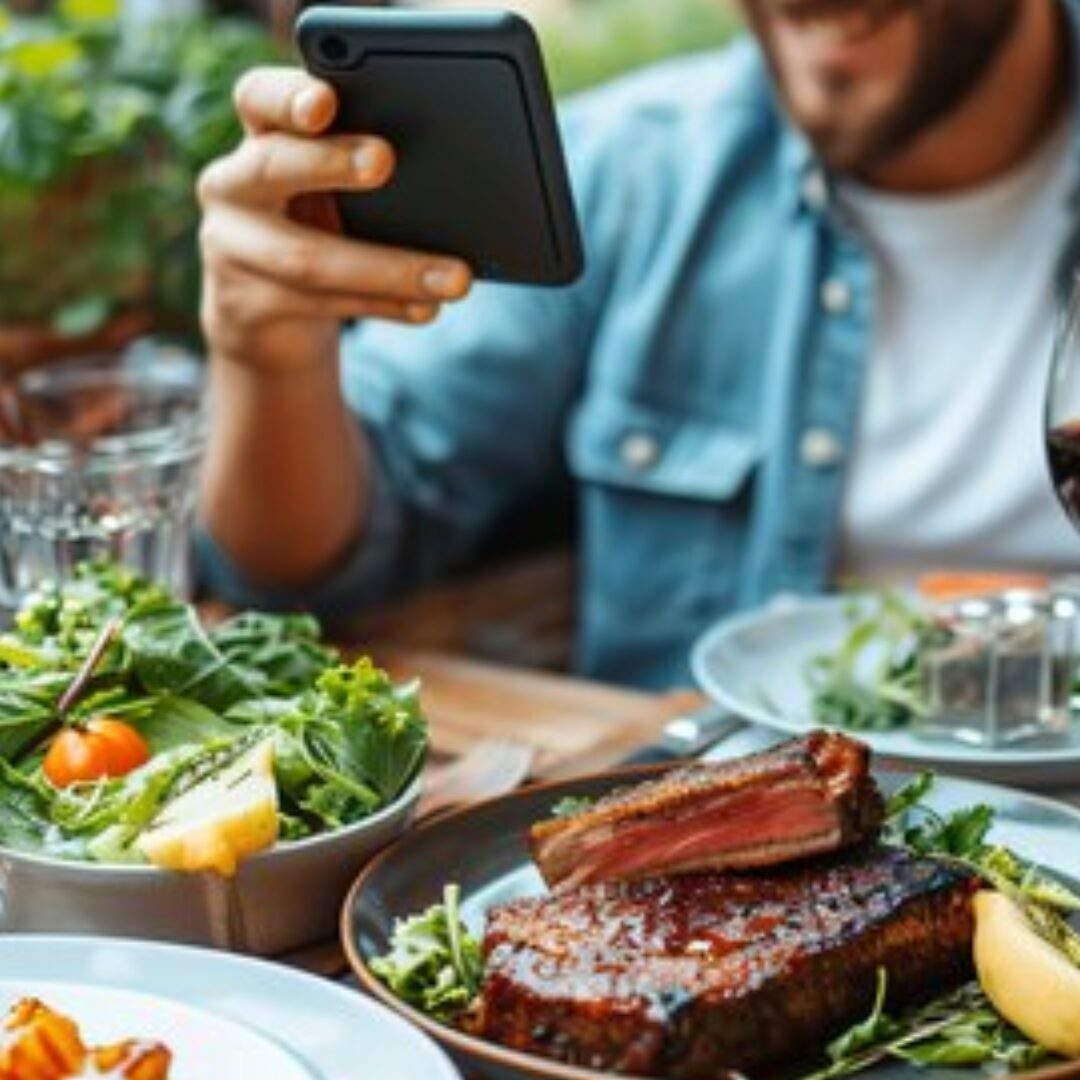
[
  {"x": 1063, "y": 409},
  {"x": 98, "y": 460}
]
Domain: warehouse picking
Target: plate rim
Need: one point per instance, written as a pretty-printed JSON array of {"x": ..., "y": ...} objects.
[
  {"x": 239, "y": 962},
  {"x": 532, "y": 1065},
  {"x": 944, "y": 753},
  {"x": 234, "y": 1027}
]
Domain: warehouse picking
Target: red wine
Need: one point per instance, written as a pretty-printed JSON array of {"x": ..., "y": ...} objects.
[{"x": 1063, "y": 452}]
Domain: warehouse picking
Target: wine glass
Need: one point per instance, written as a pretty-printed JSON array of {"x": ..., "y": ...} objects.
[{"x": 1062, "y": 417}]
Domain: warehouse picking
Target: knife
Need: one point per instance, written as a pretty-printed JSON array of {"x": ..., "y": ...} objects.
[{"x": 687, "y": 735}]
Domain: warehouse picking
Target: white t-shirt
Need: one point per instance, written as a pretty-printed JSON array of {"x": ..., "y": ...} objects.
[{"x": 949, "y": 465}]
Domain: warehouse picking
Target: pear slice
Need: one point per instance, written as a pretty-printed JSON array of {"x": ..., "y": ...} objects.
[
  {"x": 1034, "y": 985},
  {"x": 217, "y": 823}
]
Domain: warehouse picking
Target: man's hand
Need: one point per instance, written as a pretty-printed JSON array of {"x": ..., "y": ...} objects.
[
  {"x": 285, "y": 482},
  {"x": 278, "y": 276}
]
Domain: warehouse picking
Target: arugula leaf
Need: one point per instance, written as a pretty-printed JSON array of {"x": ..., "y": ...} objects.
[
  {"x": 871, "y": 682},
  {"x": 869, "y": 1032},
  {"x": 360, "y": 723},
  {"x": 24, "y": 810},
  {"x": 171, "y": 653},
  {"x": 170, "y": 721},
  {"x": 908, "y": 795},
  {"x": 27, "y": 707},
  {"x": 958, "y": 1029},
  {"x": 278, "y": 654},
  {"x": 349, "y": 746},
  {"x": 434, "y": 963},
  {"x": 962, "y": 837}
]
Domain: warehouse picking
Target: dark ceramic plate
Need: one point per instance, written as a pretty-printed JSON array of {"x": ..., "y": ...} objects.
[{"x": 482, "y": 848}]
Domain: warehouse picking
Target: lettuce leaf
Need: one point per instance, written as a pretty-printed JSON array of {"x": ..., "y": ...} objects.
[
  {"x": 434, "y": 963},
  {"x": 350, "y": 745},
  {"x": 281, "y": 655}
]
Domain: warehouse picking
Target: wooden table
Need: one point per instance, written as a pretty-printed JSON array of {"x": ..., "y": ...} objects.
[{"x": 575, "y": 726}]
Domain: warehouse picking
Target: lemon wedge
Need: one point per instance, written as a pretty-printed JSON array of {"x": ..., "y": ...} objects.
[
  {"x": 1031, "y": 983},
  {"x": 219, "y": 822}
]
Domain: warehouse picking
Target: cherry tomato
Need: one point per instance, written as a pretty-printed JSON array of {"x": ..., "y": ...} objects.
[{"x": 100, "y": 747}]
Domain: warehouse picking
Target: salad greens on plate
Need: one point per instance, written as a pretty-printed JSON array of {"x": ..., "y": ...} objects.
[{"x": 115, "y": 701}]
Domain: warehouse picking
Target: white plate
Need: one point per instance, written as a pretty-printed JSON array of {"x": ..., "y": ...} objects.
[
  {"x": 201, "y": 1043},
  {"x": 304, "y": 1027},
  {"x": 755, "y": 665}
]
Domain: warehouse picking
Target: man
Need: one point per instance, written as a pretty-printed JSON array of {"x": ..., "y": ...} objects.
[{"x": 811, "y": 339}]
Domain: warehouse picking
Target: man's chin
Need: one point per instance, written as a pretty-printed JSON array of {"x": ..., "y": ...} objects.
[{"x": 855, "y": 150}]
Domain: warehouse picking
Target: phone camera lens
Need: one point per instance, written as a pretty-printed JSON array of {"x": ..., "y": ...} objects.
[{"x": 334, "y": 50}]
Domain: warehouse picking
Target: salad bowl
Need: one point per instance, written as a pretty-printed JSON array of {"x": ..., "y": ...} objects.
[
  {"x": 259, "y": 769},
  {"x": 279, "y": 900}
]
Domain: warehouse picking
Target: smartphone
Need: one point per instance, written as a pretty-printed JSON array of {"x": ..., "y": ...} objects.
[{"x": 464, "y": 100}]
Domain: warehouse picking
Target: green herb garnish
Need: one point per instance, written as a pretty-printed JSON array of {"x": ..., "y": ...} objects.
[
  {"x": 570, "y": 805},
  {"x": 872, "y": 681},
  {"x": 961, "y": 1028},
  {"x": 433, "y": 963},
  {"x": 958, "y": 1029}
]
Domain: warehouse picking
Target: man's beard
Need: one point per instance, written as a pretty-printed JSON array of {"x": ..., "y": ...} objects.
[{"x": 959, "y": 40}]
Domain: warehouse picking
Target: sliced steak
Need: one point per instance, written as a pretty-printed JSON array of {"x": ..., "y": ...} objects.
[
  {"x": 690, "y": 975},
  {"x": 805, "y": 797}
]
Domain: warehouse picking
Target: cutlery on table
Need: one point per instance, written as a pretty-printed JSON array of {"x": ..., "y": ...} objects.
[
  {"x": 491, "y": 767},
  {"x": 688, "y": 735}
]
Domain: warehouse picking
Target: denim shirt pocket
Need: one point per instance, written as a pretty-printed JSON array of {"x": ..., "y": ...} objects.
[{"x": 665, "y": 506}]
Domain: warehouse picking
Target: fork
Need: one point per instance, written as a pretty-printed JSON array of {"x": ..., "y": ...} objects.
[{"x": 491, "y": 767}]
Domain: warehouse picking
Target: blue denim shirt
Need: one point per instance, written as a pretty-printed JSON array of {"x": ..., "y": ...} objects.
[{"x": 700, "y": 385}]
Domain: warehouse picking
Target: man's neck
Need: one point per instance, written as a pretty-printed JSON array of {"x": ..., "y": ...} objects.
[{"x": 1009, "y": 113}]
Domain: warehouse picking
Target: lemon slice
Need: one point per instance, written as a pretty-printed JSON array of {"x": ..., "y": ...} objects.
[
  {"x": 219, "y": 822},
  {"x": 1031, "y": 983}
]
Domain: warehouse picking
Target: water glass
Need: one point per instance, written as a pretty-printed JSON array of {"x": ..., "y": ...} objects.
[{"x": 98, "y": 460}]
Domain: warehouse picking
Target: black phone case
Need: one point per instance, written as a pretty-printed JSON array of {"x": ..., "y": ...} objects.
[{"x": 464, "y": 100}]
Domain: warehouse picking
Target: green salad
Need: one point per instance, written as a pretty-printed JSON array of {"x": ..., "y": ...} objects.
[{"x": 118, "y": 708}]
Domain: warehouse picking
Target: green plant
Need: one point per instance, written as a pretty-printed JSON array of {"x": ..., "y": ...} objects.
[
  {"x": 597, "y": 40},
  {"x": 104, "y": 125}
]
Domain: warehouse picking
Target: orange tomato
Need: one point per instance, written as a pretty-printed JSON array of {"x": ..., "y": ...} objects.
[{"x": 100, "y": 747}]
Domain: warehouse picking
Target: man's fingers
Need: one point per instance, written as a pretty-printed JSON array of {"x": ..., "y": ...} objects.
[
  {"x": 283, "y": 99},
  {"x": 271, "y": 169},
  {"x": 312, "y": 261},
  {"x": 239, "y": 300}
]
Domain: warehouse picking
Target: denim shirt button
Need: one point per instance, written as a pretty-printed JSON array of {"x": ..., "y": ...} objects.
[
  {"x": 819, "y": 448},
  {"x": 815, "y": 190},
  {"x": 835, "y": 296},
  {"x": 639, "y": 450}
]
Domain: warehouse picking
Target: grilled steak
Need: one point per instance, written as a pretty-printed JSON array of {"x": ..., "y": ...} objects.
[
  {"x": 805, "y": 797},
  {"x": 690, "y": 975}
]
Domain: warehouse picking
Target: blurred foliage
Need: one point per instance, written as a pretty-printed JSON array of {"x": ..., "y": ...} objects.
[
  {"x": 103, "y": 127},
  {"x": 599, "y": 39}
]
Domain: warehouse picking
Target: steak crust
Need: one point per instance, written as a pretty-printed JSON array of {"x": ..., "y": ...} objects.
[
  {"x": 692, "y": 975},
  {"x": 805, "y": 797}
]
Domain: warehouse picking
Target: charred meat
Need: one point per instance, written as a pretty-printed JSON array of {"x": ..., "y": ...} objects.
[
  {"x": 808, "y": 796},
  {"x": 691, "y": 975}
]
